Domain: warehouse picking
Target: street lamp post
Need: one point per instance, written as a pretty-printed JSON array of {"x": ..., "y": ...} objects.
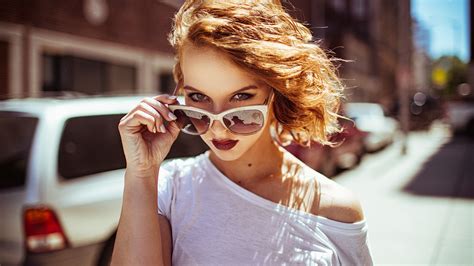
[{"x": 404, "y": 69}]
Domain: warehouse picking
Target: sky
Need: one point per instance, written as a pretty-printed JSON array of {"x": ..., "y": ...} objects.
[{"x": 447, "y": 22}]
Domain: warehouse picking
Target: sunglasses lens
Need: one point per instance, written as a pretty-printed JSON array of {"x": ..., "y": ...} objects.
[
  {"x": 244, "y": 122},
  {"x": 192, "y": 122}
]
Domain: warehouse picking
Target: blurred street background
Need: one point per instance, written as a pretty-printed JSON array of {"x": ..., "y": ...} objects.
[
  {"x": 70, "y": 69},
  {"x": 419, "y": 206}
]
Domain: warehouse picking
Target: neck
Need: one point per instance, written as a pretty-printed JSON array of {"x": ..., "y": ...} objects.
[{"x": 252, "y": 167}]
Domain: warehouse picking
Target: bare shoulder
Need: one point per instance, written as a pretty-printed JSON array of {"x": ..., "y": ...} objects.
[
  {"x": 337, "y": 202},
  {"x": 340, "y": 204}
]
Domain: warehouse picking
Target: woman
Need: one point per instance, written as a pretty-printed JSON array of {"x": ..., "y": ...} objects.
[{"x": 251, "y": 81}]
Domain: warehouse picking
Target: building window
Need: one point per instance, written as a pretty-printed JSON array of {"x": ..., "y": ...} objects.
[
  {"x": 71, "y": 73},
  {"x": 4, "y": 64},
  {"x": 166, "y": 82}
]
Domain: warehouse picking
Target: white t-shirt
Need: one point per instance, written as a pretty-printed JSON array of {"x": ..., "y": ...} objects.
[{"x": 216, "y": 222}]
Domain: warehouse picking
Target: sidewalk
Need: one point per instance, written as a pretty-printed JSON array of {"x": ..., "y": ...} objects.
[{"x": 419, "y": 206}]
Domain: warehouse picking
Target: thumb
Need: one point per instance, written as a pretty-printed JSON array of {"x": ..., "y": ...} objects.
[{"x": 173, "y": 129}]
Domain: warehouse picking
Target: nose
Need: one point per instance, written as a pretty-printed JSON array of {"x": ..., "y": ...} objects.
[{"x": 218, "y": 128}]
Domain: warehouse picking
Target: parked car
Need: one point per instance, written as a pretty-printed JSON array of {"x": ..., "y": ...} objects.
[
  {"x": 370, "y": 118},
  {"x": 332, "y": 160},
  {"x": 61, "y": 178}
]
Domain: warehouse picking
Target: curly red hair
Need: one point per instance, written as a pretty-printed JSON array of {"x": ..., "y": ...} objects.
[{"x": 262, "y": 38}]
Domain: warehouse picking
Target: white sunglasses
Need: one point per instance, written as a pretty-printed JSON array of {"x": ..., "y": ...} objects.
[{"x": 245, "y": 120}]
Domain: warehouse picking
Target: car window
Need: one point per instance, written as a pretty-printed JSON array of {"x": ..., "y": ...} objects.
[
  {"x": 16, "y": 136},
  {"x": 90, "y": 145}
]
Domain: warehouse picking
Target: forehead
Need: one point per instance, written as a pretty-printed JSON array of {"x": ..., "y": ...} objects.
[{"x": 212, "y": 71}]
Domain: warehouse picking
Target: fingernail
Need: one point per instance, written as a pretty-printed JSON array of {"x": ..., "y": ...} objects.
[
  {"x": 172, "y": 97},
  {"x": 154, "y": 129},
  {"x": 163, "y": 129},
  {"x": 172, "y": 116}
]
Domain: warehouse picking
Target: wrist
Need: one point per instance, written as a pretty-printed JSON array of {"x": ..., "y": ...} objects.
[{"x": 146, "y": 173}]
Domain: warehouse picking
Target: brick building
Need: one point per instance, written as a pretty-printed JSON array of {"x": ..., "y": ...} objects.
[
  {"x": 100, "y": 46},
  {"x": 421, "y": 59},
  {"x": 374, "y": 35},
  {"x": 90, "y": 46}
]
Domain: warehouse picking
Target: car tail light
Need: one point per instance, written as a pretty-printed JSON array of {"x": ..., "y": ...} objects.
[{"x": 43, "y": 231}]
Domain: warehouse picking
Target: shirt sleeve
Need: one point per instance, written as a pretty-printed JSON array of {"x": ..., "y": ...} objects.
[
  {"x": 355, "y": 249},
  {"x": 165, "y": 188},
  {"x": 351, "y": 241}
]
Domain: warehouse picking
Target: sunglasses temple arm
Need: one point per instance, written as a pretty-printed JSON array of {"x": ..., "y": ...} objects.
[
  {"x": 270, "y": 97},
  {"x": 175, "y": 91}
]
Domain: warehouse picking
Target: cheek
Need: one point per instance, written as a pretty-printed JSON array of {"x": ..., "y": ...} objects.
[
  {"x": 205, "y": 139},
  {"x": 249, "y": 141}
]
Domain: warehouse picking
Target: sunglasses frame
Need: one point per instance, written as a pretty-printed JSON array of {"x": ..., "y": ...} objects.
[{"x": 263, "y": 108}]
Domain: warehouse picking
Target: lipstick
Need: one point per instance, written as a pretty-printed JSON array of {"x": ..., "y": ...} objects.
[{"x": 224, "y": 144}]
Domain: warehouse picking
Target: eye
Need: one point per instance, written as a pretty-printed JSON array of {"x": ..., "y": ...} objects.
[
  {"x": 242, "y": 96},
  {"x": 197, "y": 97}
]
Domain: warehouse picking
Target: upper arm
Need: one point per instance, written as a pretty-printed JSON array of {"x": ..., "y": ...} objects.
[
  {"x": 166, "y": 239},
  {"x": 341, "y": 204}
]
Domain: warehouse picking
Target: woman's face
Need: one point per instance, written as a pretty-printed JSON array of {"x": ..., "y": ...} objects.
[{"x": 214, "y": 83}]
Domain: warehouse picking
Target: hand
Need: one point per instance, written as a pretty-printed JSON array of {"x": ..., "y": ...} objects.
[{"x": 145, "y": 139}]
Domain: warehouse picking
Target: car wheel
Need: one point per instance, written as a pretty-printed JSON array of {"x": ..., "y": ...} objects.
[{"x": 106, "y": 254}]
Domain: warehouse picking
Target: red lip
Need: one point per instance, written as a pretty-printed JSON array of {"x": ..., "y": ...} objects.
[{"x": 224, "y": 145}]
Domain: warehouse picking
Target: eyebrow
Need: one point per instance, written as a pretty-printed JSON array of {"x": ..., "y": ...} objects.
[{"x": 187, "y": 87}]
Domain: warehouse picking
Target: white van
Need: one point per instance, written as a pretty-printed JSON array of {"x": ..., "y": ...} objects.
[{"x": 61, "y": 178}]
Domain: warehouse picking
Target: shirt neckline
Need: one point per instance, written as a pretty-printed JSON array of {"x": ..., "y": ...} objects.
[{"x": 273, "y": 206}]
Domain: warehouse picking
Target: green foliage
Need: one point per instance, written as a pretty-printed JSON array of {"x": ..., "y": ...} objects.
[{"x": 455, "y": 71}]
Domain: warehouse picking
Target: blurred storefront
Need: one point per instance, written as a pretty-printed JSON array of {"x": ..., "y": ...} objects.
[
  {"x": 99, "y": 46},
  {"x": 421, "y": 60},
  {"x": 88, "y": 46},
  {"x": 375, "y": 36}
]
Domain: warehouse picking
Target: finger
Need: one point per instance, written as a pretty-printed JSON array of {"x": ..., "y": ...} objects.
[
  {"x": 142, "y": 118},
  {"x": 173, "y": 129},
  {"x": 165, "y": 98},
  {"x": 161, "y": 108},
  {"x": 131, "y": 112},
  {"x": 158, "y": 118}
]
